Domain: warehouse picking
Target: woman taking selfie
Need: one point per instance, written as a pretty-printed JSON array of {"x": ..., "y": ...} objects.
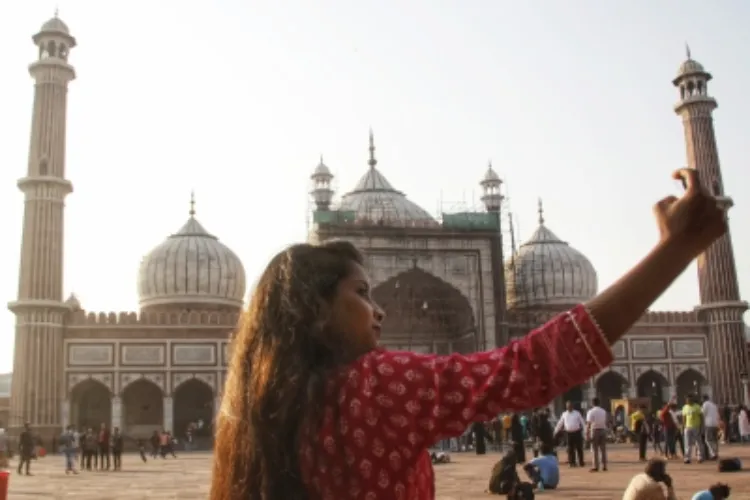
[{"x": 313, "y": 409}]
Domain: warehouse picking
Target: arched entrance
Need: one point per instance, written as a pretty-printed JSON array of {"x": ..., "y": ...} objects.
[
  {"x": 690, "y": 383},
  {"x": 193, "y": 402},
  {"x": 652, "y": 385},
  {"x": 610, "y": 386},
  {"x": 142, "y": 409},
  {"x": 90, "y": 405},
  {"x": 576, "y": 395},
  {"x": 426, "y": 314}
]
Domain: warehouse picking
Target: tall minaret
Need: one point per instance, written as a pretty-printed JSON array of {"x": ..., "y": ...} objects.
[
  {"x": 37, "y": 386},
  {"x": 721, "y": 307}
]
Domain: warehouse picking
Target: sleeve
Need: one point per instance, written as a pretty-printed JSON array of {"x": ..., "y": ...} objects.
[{"x": 417, "y": 399}]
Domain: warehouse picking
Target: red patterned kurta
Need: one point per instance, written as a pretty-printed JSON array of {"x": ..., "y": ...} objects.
[{"x": 387, "y": 408}]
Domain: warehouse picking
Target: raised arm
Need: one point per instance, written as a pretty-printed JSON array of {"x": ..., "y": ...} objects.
[{"x": 419, "y": 398}]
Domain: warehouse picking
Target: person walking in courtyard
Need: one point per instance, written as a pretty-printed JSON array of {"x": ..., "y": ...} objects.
[
  {"x": 118, "y": 444},
  {"x": 69, "y": 446},
  {"x": 692, "y": 418},
  {"x": 711, "y": 421},
  {"x": 596, "y": 422},
  {"x": 572, "y": 423},
  {"x": 26, "y": 447},
  {"x": 313, "y": 408}
]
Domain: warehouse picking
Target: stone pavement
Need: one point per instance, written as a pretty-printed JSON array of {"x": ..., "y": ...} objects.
[{"x": 188, "y": 477}]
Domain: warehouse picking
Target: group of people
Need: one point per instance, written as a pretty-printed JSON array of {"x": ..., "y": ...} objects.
[
  {"x": 692, "y": 430},
  {"x": 95, "y": 450}
]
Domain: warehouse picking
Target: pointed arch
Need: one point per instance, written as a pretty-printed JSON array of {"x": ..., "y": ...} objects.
[
  {"x": 90, "y": 404},
  {"x": 142, "y": 408},
  {"x": 690, "y": 382},
  {"x": 611, "y": 385},
  {"x": 425, "y": 309},
  {"x": 652, "y": 384},
  {"x": 193, "y": 402}
]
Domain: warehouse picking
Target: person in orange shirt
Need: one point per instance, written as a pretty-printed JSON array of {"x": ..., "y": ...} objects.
[{"x": 507, "y": 420}]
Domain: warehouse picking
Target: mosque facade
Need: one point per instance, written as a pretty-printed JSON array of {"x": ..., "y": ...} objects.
[{"x": 445, "y": 284}]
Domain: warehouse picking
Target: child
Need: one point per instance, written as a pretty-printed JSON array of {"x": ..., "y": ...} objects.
[
  {"x": 314, "y": 409},
  {"x": 716, "y": 492},
  {"x": 544, "y": 471}
]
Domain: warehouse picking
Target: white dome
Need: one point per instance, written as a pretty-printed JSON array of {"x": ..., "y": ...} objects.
[
  {"x": 374, "y": 199},
  {"x": 55, "y": 25},
  {"x": 546, "y": 271},
  {"x": 191, "y": 268}
]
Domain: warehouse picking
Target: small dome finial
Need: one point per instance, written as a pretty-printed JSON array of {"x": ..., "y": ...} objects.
[
  {"x": 192, "y": 204},
  {"x": 372, "y": 161},
  {"x": 57, "y": 12},
  {"x": 321, "y": 158},
  {"x": 541, "y": 212},
  {"x": 687, "y": 50}
]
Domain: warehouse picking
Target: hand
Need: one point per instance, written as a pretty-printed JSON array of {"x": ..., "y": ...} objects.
[
  {"x": 667, "y": 480},
  {"x": 695, "y": 220}
]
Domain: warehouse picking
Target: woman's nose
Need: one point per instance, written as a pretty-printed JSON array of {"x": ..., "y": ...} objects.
[{"x": 379, "y": 314}]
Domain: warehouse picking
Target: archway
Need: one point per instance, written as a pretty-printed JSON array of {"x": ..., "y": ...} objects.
[
  {"x": 652, "y": 385},
  {"x": 425, "y": 313},
  {"x": 90, "y": 405},
  {"x": 610, "y": 386},
  {"x": 193, "y": 402},
  {"x": 142, "y": 409},
  {"x": 576, "y": 395},
  {"x": 690, "y": 383}
]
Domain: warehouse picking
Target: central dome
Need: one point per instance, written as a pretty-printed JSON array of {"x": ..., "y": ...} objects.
[
  {"x": 191, "y": 269},
  {"x": 374, "y": 199},
  {"x": 546, "y": 271}
]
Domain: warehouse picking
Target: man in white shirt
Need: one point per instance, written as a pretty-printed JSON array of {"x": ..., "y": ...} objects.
[
  {"x": 596, "y": 420},
  {"x": 711, "y": 420},
  {"x": 572, "y": 423}
]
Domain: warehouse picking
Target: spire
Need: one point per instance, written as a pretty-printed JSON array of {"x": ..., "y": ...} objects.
[
  {"x": 541, "y": 212},
  {"x": 687, "y": 50},
  {"x": 372, "y": 161},
  {"x": 192, "y": 204},
  {"x": 57, "y": 12},
  {"x": 321, "y": 158}
]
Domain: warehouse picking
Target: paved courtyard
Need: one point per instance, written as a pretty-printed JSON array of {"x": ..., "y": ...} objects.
[{"x": 188, "y": 478}]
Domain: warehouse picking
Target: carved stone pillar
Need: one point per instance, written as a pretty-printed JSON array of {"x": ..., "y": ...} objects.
[
  {"x": 65, "y": 413},
  {"x": 168, "y": 413},
  {"x": 116, "y": 412},
  {"x": 672, "y": 391},
  {"x": 633, "y": 392}
]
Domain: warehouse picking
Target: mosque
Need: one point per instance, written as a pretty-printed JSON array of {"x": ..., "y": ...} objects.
[{"x": 445, "y": 283}]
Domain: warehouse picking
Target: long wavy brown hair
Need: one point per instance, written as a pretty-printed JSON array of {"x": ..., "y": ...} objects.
[{"x": 281, "y": 356}]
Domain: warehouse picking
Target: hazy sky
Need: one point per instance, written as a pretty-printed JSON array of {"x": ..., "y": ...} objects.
[{"x": 571, "y": 99}]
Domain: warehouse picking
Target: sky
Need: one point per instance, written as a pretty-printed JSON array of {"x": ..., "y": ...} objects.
[{"x": 570, "y": 99}]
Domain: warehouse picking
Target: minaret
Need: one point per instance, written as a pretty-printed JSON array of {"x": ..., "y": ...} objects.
[
  {"x": 37, "y": 383},
  {"x": 721, "y": 307},
  {"x": 322, "y": 192},
  {"x": 492, "y": 199}
]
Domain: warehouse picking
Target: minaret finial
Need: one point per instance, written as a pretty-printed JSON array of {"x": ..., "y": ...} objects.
[
  {"x": 541, "y": 212},
  {"x": 321, "y": 158},
  {"x": 687, "y": 50},
  {"x": 489, "y": 164},
  {"x": 192, "y": 204},
  {"x": 372, "y": 161},
  {"x": 57, "y": 12}
]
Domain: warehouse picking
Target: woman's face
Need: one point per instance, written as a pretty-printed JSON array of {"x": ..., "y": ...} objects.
[{"x": 354, "y": 315}]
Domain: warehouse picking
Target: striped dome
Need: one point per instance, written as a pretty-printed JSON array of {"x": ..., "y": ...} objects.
[
  {"x": 546, "y": 271},
  {"x": 192, "y": 268}
]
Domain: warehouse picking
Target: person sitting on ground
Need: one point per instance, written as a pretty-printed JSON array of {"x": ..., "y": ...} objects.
[
  {"x": 718, "y": 491},
  {"x": 504, "y": 476},
  {"x": 649, "y": 485},
  {"x": 544, "y": 471},
  {"x": 440, "y": 457}
]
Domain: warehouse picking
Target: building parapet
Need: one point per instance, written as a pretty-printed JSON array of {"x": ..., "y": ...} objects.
[{"x": 127, "y": 319}]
